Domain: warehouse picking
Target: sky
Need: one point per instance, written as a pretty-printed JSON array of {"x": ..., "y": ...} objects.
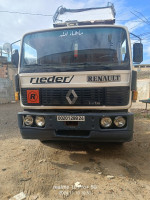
[{"x": 135, "y": 14}]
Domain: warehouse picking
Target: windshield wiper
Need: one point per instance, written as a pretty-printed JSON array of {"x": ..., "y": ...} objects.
[
  {"x": 38, "y": 67},
  {"x": 69, "y": 67},
  {"x": 102, "y": 66}
]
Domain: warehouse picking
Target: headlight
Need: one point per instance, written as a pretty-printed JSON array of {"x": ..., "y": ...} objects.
[
  {"x": 119, "y": 121},
  {"x": 106, "y": 122},
  {"x": 40, "y": 121},
  {"x": 28, "y": 120}
]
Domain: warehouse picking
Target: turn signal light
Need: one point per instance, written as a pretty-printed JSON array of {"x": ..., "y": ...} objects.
[
  {"x": 16, "y": 96},
  {"x": 134, "y": 95}
]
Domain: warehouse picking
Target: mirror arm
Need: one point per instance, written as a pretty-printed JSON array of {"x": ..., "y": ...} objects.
[
  {"x": 14, "y": 43},
  {"x": 136, "y": 36}
]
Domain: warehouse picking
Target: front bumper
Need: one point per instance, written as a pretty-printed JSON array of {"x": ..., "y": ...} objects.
[{"x": 89, "y": 130}]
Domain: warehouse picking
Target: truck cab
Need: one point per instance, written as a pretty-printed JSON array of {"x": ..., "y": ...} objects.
[{"x": 76, "y": 80}]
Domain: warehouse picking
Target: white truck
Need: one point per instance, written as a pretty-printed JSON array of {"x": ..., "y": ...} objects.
[{"x": 76, "y": 80}]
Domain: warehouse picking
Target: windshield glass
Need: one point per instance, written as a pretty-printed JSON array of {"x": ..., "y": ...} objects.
[{"x": 84, "y": 49}]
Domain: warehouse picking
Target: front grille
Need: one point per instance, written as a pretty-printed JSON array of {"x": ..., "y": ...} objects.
[
  {"x": 108, "y": 96},
  {"x": 116, "y": 96}
]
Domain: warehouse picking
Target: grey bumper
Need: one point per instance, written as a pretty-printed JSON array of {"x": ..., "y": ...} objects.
[{"x": 89, "y": 130}]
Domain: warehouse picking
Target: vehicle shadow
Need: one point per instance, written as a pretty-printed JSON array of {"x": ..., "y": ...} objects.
[
  {"x": 132, "y": 159},
  {"x": 104, "y": 158}
]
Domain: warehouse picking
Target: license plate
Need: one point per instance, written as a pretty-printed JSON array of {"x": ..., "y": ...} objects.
[{"x": 70, "y": 118}]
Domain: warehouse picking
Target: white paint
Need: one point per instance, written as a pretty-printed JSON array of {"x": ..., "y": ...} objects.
[{"x": 79, "y": 79}]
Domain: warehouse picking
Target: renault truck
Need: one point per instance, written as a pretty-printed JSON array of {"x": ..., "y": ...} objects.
[{"x": 76, "y": 80}]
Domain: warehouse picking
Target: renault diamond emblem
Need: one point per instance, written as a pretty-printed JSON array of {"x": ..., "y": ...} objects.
[{"x": 69, "y": 97}]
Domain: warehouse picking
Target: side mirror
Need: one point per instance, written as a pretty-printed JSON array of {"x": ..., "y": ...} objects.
[
  {"x": 15, "y": 58},
  {"x": 137, "y": 52}
]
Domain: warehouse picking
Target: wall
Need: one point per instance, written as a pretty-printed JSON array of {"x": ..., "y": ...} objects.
[
  {"x": 143, "y": 82},
  {"x": 143, "y": 88},
  {"x": 7, "y": 81},
  {"x": 6, "y": 91},
  {"x": 3, "y": 71}
]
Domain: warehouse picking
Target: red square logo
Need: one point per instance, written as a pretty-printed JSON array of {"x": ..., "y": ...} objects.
[{"x": 33, "y": 96}]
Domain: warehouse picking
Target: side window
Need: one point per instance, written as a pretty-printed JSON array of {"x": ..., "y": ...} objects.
[{"x": 30, "y": 55}]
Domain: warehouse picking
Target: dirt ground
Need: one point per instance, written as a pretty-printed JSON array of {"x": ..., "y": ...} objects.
[{"x": 73, "y": 171}]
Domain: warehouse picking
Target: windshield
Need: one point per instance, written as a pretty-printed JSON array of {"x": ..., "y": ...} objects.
[{"x": 85, "y": 49}]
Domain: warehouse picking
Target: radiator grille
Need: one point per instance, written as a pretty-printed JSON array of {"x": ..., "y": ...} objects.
[{"x": 108, "y": 96}]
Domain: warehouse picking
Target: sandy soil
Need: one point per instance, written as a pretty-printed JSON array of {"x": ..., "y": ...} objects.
[{"x": 73, "y": 171}]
